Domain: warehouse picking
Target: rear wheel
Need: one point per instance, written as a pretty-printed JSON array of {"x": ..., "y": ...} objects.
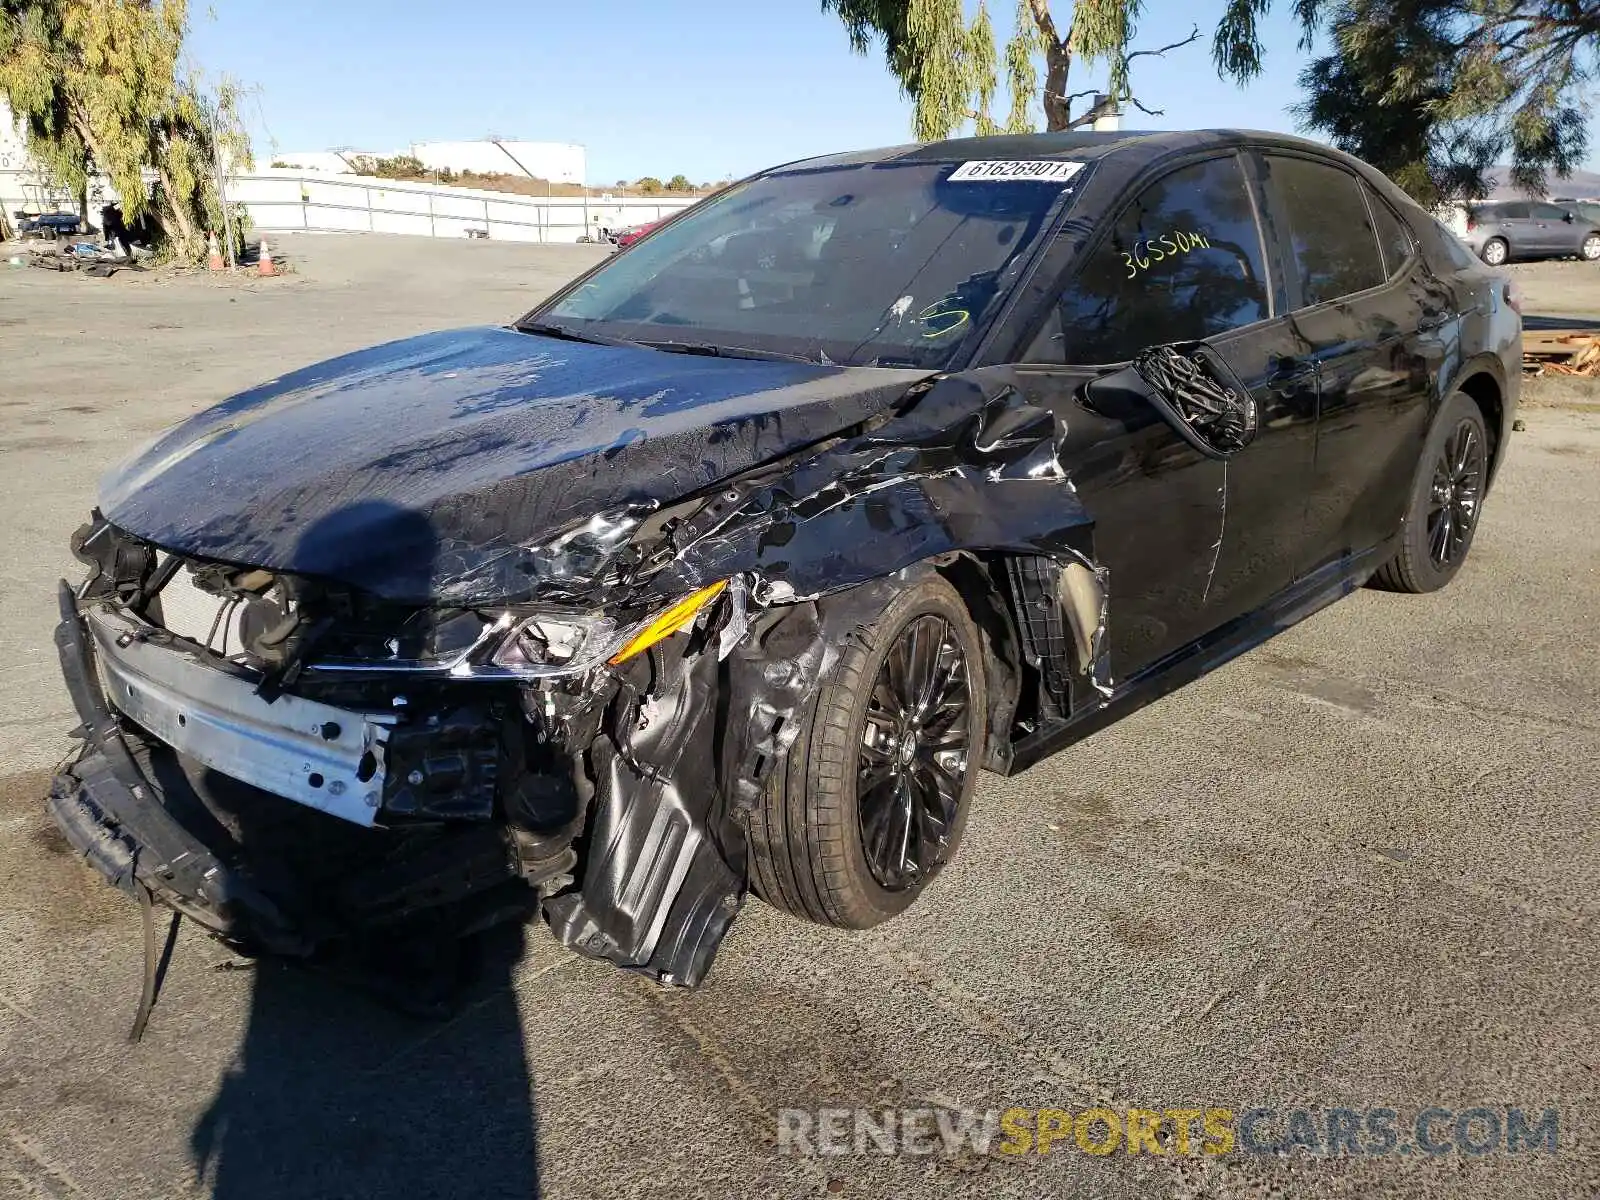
[
  {"x": 872, "y": 801},
  {"x": 1495, "y": 252},
  {"x": 1445, "y": 501}
]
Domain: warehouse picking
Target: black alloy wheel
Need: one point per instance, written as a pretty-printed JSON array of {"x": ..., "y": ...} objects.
[
  {"x": 1446, "y": 501},
  {"x": 914, "y": 754},
  {"x": 1457, "y": 495},
  {"x": 869, "y": 806}
]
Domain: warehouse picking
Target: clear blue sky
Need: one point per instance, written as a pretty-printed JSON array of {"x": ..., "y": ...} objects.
[{"x": 711, "y": 88}]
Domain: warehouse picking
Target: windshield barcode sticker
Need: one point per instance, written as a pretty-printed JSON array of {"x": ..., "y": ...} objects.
[{"x": 1049, "y": 170}]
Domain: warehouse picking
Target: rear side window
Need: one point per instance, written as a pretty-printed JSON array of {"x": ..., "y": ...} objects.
[
  {"x": 1505, "y": 212},
  {"x": 1330, "y": 232},
  {"x": 1182, "y": 262},
  {"x": 1460, "y": 256},
  {"x": 1393, "y": 235}
]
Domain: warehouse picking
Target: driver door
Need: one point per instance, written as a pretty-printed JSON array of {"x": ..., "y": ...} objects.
[{"x": 1189, "y": 542}]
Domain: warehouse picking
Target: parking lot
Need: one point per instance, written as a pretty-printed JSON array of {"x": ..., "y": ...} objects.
[{"x": 1358, "y": 868}]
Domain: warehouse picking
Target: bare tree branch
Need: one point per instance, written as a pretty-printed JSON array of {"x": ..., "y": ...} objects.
[{"x": 1193, "y": 37}]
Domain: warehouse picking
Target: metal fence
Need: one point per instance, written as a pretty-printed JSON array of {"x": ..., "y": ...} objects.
[{"x": 289, "y": 200}]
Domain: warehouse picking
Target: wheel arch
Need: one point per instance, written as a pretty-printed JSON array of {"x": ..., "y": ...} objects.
[
  {"x": 1042, "y": 621},
  {"x": 978, "y": 580},
  {"x": 1485, "y": 387}
]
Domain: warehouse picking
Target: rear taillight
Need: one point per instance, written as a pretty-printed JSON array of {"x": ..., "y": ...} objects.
[
  {"x": 1472, "y": 224},
  {"x": 1514, "y": 295}
]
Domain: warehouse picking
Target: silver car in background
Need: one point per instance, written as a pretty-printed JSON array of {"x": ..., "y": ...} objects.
[{"x": 1503, "y": 230}]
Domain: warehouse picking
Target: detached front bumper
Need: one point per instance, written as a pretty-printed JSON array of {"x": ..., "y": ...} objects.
[
  {"x": 109, "y": 813},
  {"x": 257, "y": 820}
]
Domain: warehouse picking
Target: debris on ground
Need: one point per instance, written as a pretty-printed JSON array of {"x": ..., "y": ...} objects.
[
  {"x": 92, "y": 258},
  {"x": 1564, "y": 352}
]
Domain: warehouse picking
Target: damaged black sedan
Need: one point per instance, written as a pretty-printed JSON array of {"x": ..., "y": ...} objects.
[{"x": 728, "y": 568}]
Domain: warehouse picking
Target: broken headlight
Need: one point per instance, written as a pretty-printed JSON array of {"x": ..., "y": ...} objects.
[
  {"x": 569, "y": 643},
  {"x": 522, "y": 644},
  {"x": 554, "y": 644}
]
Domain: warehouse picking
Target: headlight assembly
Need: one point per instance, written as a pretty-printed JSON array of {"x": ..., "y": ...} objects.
[
  {"x": 554, "y": 644},
  {"x": 520, "y": 644}
]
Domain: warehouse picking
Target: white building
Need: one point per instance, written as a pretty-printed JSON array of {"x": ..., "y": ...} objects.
[
  {"x": 559, "y": 162},
  {"x": 26, "y": 188},
  {"x": 13, "y": 152}
]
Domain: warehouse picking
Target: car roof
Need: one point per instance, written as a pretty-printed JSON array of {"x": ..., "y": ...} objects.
[{"x": 1146, "y": 145}]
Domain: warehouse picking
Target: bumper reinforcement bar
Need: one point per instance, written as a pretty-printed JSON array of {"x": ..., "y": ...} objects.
[{"x": 110, "y": 814}]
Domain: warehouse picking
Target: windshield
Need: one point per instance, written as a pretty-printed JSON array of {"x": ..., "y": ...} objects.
[{"x": 881, "y": 264}]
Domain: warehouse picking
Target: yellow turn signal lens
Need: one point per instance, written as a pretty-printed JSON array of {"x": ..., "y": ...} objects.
[{"x": 670, "y": 621}]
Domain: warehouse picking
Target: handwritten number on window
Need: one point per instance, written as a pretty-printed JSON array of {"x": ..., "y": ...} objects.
[{"x": 1169, "y": 245}]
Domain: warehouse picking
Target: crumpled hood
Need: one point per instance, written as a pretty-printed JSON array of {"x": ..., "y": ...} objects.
[{"x": 471, "y": 465}]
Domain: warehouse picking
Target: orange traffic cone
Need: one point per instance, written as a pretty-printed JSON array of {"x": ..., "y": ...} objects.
[
  {"x": 213, "y": 253},
  {"x": 264, "y": 267}
]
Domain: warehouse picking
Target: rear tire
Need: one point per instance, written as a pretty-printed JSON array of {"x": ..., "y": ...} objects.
[
  {"x": 873, "y": 797},
  {"x": 1496, "y": 252},
  {"x": 1446, "y": 501}
]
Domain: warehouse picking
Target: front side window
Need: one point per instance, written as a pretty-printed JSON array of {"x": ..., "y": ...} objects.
[
  {"x": 1180, "y": 263},
  {"x": 877, "y": 264},
  {"x": 1330, "y": 231}
]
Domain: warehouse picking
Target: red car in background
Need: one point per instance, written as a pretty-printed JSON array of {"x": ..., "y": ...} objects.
[{"x": 629, "y": 236}]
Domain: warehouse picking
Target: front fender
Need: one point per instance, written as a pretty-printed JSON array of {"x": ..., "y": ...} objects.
[{"x": 971, "y": 466}]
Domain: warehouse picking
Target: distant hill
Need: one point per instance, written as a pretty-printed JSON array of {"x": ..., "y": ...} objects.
[{"x": 1580, "y": 185}]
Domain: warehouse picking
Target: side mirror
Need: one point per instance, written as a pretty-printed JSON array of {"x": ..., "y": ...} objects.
[
  {"x": 1568, "y": 217},
  {"x": 1194, "y": 391}
]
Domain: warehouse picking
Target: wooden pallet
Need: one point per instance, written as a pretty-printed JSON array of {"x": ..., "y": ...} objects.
[{"x": 1561, "y": 352}]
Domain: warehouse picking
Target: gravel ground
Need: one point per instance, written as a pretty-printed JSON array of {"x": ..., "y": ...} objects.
[
  {"x": 1566, "y": 287},
  {"x": 1357, "y": 867}
]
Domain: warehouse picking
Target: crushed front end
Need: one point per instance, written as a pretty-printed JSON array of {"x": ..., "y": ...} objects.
[
  {"x": 414, "y": 723},
  {"x": 302, "y": 768}
]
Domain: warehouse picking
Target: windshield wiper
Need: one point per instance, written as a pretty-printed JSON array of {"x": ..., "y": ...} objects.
[
  {"x": 569, "y": 334},
  {"x": 713, "y": 351}
]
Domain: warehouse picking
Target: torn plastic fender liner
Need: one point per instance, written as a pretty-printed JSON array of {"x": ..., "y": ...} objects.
[
  {"x": 660, "y": 886},
  {"x": 681, "y": 763}
]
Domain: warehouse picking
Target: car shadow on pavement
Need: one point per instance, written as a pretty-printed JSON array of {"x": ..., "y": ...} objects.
[{"x": 332, "y": 1095}]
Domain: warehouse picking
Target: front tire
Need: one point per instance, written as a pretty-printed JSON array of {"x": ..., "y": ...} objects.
[
  {"x": 872, "y": 800},
  {"x": 1591, "y": 248},
  {"x": 1446, "y": 500},
  {"x": 1496, "y": 252}
]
